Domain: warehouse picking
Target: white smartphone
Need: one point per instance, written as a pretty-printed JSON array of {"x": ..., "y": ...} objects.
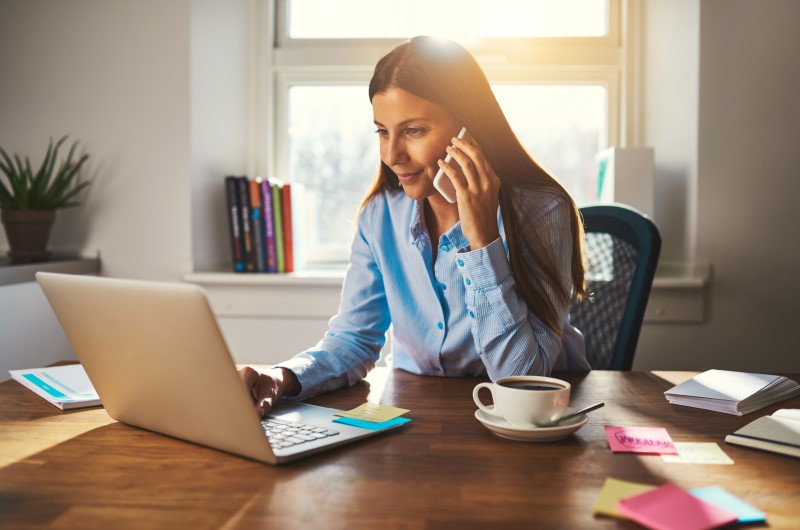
[{"x": 441, "y": 181}]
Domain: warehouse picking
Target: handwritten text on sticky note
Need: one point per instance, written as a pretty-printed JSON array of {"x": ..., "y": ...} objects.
[{"x": 640, "y": 440}]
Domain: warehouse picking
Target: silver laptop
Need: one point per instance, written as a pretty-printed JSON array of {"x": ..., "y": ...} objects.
[{"x": 158, "y": 360}]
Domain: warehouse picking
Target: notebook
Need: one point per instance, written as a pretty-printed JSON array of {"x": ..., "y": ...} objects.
[
  {"x": 157, "y": 358},
  {"x": 778, "y": 433}
]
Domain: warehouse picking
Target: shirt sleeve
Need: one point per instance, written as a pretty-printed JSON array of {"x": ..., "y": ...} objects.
[
  {"x": 510, "y": 339},
  {"x": 355, "y": 336}
]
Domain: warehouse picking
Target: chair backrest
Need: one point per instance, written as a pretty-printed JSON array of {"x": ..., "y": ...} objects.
[{"x": 622, "y": 247}]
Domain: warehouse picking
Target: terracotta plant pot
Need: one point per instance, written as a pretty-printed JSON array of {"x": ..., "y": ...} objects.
[{"x": 27, "y": 232}]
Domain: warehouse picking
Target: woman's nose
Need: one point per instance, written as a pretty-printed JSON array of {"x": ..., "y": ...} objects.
[{"x": 394, "y": 152}]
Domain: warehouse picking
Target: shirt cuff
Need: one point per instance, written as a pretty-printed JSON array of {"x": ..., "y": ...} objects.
[
  {"x": 485, "y": 267},
  {"x": 301, "y": 368}
]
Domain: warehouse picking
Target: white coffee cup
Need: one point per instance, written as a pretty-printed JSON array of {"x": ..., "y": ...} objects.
[{"x": 526, "y": 401}]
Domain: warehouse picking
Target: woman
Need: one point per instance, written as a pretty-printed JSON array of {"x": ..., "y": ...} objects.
[{"x": 479, "y": 287}]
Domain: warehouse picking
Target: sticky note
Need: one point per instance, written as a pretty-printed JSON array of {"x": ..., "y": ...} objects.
[
  {"x": 698, "y": 453},
  {"x": 727, "y": 501},
  {"x": 640, "y": 440},
  {"x": 374, "y": 412},
  {"x": 614, "y": 490},
  {"x": 669, "y": 507},
  {"x": 372, "y": 425}
]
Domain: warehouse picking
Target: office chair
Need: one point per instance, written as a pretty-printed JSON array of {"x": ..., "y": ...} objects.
[{"x": 621, "y": 248}]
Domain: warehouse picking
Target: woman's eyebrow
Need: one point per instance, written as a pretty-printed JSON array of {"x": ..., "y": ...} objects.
[{"x": 404, "y": 122}]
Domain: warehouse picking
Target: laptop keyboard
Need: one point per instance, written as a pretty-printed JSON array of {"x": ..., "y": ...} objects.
[{"x": 283, "y": 434}]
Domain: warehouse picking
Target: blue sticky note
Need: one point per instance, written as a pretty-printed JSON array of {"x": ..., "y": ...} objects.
[
  {"x": 727, "y": 501},
  {"x": 371, "y": 425}
]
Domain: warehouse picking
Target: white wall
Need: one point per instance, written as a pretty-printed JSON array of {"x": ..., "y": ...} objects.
[
  {"x": 116, "y": 76},
  {"x": 743, "y": 139},
  {"x": 221, "y": 94}
]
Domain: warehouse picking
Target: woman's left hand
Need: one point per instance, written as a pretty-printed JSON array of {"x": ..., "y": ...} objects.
[{"x": 477, "y": 192}]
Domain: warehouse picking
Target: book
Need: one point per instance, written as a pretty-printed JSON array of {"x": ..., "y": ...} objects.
[
  {"x": 277, "y": 219},
  {"x": 269, "y": 226},
  {"x": 66, "y": 387},
  {"x": 256, "y": 226},
  {"x": 288, "y": 242},
  {"x": 778, "y": 433},
  {"x": 732, "y": 392},
  {"x": 232, "y": 200},
  {"x": 244, "y": 223}
]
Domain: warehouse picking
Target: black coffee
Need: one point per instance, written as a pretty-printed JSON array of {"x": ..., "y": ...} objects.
[{"x": 531, "y": 385}]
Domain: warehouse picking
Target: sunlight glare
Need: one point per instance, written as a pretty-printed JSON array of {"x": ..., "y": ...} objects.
[{"x": 454, "y": 19}]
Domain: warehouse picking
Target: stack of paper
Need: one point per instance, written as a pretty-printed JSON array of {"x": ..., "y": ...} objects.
[
  {"x": 66, "y": 387},
  {"x": 730, "y": 392}
]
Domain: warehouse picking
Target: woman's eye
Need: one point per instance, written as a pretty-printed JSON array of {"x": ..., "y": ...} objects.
[
  {"x": 415, "y": 131},
  {"x": 382, "y": 132}
]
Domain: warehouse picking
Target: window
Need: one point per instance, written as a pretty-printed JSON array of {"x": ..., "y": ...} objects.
[{"x": 557, "y": 76}]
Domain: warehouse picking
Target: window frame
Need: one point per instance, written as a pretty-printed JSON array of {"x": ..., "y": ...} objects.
[{"x": 283, "y": 62}]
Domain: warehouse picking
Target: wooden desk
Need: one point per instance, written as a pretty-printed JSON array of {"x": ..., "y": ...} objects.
[{"x": 80, "y": 469}]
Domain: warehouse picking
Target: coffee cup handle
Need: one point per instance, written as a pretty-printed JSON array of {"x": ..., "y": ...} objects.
[{"x": 478, "y": 401}]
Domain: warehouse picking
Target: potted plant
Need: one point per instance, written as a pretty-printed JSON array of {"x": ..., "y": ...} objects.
[{"x": 28, "y": 200}]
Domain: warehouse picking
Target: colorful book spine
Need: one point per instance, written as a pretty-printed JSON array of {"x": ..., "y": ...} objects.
[
  {"x": 269, "y": 226},
  {"x": 288, "y": 241},
  {"x": 256, "y": 226},
  {"x": 277, "y": 217},
  {"x": 244, "y": 216},
  {"x": 237, "y": 245}
]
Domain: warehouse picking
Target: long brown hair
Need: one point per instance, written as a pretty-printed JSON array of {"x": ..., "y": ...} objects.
[{"x": 445, "y": 73}]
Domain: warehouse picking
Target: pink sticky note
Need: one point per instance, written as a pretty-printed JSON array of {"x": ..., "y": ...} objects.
[
  {"x": 669, "y": 507},
  {"x": 640, "y": 440}
]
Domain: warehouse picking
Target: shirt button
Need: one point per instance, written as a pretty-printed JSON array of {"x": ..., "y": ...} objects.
[
  {"x": 471, "y": 314},
  {"x": 460, "y": 263},
  {"x": 440, "y": 325},
  {"x": 468, "y": 281},
  {"x": 437, "y": 369},
  {"x": 445, "y": 247},
  {"x": 443, "y": 287}
]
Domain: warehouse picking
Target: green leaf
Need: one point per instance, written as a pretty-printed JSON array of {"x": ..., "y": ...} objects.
[
  {"x": 46, "y": 188},
  {"x": 64, "y": 202},
  {"x": 7, "y": 165},
  {"x": 42, "y": 177},
  {"x": 57, "y": 192}
]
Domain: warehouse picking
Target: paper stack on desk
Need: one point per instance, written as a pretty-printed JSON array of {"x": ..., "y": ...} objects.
[
  {"x": 730, "y": 392},
  {"x": 66, "y": 387}
]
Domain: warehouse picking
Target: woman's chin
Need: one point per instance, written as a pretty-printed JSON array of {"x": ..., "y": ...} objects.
[{"x": 417, "y": 192}]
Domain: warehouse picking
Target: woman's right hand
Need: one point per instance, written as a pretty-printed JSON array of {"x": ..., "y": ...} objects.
[{"x": 266, "y": 387}]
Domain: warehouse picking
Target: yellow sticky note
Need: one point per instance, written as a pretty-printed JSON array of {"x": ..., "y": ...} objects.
[
  {"x": 615, "y": 490},
  {"x": 698, "y": 453},
  {"x": 374, "y": 412}
]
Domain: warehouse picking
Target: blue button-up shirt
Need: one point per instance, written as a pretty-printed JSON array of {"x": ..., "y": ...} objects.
[{"x": 461, "y": 315}]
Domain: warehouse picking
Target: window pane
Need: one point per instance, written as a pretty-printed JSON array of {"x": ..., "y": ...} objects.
[
  {"x": 563, "y": 127},
  {"x": 465, "y": 19},
  {"x": 334, "y": 153}
]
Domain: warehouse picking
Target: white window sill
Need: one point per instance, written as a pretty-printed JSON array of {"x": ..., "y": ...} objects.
[{"x": 678, "y": 294}]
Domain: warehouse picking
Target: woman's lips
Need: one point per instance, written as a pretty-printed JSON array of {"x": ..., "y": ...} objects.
[{"x": 407, "y": 177}]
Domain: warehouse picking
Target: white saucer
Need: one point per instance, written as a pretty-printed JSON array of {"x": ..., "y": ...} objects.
[{"x": 504, "y": 429}]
